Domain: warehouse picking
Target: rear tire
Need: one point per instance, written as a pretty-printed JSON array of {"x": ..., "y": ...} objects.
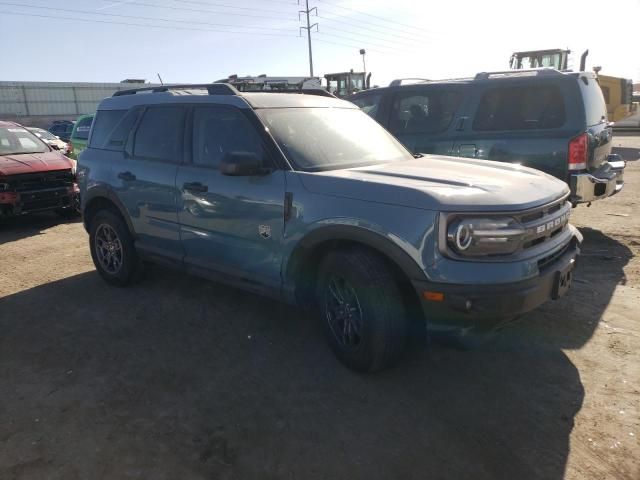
[
  {"x": 112, "y": 249},
  {"x": 361, "y": 309}
]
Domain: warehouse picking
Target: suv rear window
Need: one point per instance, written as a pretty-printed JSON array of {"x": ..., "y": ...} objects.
[
  {"x": 594, "y": 107},
  {"x": 423, "y": 112},
  {"x": 520, "y": 108},
  {"x": 104, "y": 123}
]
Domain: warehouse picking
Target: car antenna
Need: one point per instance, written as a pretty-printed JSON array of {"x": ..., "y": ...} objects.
[{"x": 160, "y": 78}]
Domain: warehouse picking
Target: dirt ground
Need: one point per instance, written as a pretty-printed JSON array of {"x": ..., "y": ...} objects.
[{"x": 179, "y": 378}]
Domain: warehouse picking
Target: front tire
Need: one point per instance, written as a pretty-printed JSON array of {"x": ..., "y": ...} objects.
[
  {"x": 362, "y": 309},
  {"x": 112, "y": 249}
]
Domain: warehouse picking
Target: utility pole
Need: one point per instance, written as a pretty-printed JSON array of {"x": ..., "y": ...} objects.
[{"x": 308, "y": 28}]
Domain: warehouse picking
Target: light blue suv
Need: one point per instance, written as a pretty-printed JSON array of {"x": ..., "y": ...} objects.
[{"x": 305, "y": 198}]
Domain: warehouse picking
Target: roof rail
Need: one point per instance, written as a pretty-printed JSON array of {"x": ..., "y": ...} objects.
[
  {"x": 518, "y": 73},
  {"x": 212, "y": 89},
  {"x": 399, "y": 81},
  {"x": 320, "y": 92}
]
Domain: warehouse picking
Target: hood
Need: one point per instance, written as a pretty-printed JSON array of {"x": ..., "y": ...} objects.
[
  {"x": 33, "y": 163},
  {"x": 442, "y": 183}
]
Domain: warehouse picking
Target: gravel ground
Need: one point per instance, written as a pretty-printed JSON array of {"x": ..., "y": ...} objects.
[{"x": 179, "y": 378}]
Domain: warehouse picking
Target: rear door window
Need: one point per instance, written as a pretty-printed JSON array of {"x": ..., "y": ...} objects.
[
  {"x": 595, "y": 108},
  {"x": 369, "y": 103},
  {"x": 424, "y": 112},
  {"x": 218, "y": 131},
  {"x": 520, "y": 108},
  {"x": 159, "y": 135}
]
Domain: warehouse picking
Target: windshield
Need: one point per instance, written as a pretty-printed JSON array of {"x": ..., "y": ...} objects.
[
  {"x": 316, "y": 139},
  {"x": 17, "y": 140},
  {"x": 42, "y": 134}
]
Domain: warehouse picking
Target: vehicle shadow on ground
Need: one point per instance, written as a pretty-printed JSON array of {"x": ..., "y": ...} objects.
[
  {"x": 628, "y": 153},
  {"x": 182, "y": 378},
  {"x": 17, "y": 228},
  {"x": 569, "y": 323}
]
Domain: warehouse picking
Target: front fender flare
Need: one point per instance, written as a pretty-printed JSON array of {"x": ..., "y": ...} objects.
[
  {"x": 370, "y": 238},
  {"x": 103, "y": 192}
]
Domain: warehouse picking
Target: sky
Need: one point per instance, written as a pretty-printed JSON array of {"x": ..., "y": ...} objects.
[{"x": 205, "y": 40}]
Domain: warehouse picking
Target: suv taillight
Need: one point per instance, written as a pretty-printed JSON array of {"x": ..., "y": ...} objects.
[{"x": 578, "y": 152}]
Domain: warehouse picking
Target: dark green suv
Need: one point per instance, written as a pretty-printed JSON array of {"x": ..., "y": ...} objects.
[{"x": 549, "y": 120}]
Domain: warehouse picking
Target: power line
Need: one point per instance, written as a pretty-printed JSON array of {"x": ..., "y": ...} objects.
[
  {"x": 166, "y": 27},
  {"x": 351, "y": 46},
  {"x": 200, "y": 10},
  {"x": 360, "y": 12},
  {"x": 92, "y": 12},
  {"x": 210, "y": 4},
  {"x": 377, "y": 31},
  {"x": 376, "y": 37},
  {"x": 366, "y": 42}
]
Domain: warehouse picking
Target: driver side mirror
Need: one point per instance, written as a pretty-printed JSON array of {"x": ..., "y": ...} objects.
[
  {"x": 242, "y": 164},
  {"x": 53, "y": 146}
]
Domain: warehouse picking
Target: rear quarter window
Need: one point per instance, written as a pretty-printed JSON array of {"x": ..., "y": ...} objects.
[
  {"x": 103, "y": 127},
  {"x": 595, "y": 108},
  {"x": 524, "y": 107}
]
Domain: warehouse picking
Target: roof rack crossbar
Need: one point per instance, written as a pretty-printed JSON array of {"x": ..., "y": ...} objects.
[
  {"x": 537, "y": 71},
  {"x": 398, "y": 81},
  {"x": 212, "y": 89}
]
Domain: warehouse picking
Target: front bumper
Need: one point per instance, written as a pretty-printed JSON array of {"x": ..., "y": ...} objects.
[
  {"x": 20, "y": 203},
  {"x": 604, "y": 182},
  {"x": 487, "y": 307}
]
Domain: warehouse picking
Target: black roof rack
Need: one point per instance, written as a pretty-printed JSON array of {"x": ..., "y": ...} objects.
[
  {"x": 516, "y": 73},
  {"x": 212, "y": 89}
]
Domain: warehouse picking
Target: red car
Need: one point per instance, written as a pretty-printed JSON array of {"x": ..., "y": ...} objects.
[{"x": 33, "y": 176}]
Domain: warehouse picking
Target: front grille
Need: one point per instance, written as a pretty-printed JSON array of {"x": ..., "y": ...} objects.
[
  {"x": 33, "y": 182},
  {"x": 544, "y": 223}
]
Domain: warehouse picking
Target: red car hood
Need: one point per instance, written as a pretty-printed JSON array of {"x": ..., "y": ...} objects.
[{"x": 33, "y": 163}]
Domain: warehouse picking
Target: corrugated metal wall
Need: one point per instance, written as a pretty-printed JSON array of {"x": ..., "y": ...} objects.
[{"x": 38, "y": 100}]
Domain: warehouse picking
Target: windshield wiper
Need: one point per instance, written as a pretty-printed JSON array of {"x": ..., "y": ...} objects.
[{"x": 417, "y": 155}]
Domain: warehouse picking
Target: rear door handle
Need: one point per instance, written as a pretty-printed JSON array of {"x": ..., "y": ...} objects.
[
  {"x": 468, "y": 150},
  {"x": 127, "y": 176},
  {"x": 195, "y": 187}
]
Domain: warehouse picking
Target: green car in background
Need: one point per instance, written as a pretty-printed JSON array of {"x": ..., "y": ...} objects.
[{"x": 80, "y": 135}]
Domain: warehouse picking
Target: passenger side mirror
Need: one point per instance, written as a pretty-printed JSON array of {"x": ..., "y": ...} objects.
[
  {"x": 242, "y": 164},
  {"x": 54, "y": 146}
]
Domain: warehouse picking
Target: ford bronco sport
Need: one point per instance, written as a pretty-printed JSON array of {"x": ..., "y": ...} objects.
[
  {"x": 307, "y": 199},
  {"x": 545, "y": 119}
]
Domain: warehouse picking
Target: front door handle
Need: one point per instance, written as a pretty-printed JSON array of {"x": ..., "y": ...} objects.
[
  {"x": 195, "y": 187},
  {"x": 127, "y": 176}
]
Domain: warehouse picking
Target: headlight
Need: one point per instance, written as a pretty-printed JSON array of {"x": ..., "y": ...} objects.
[{"x": 477, "y": 237}]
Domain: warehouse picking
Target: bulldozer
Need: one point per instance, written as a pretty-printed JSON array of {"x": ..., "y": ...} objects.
[
  {"x": 554, "y": 58},
  {"x": 344, "y": 84}
]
